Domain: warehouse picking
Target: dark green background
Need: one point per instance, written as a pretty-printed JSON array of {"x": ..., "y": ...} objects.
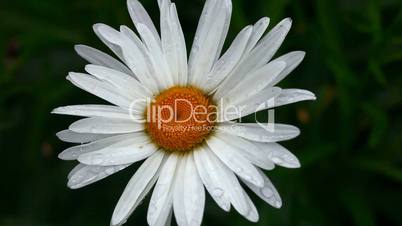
[{"x": 350, "y": 146}]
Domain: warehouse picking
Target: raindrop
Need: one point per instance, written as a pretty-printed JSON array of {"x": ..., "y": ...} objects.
[
  {"x": 239, "y": 170},
  {"x": 152, "y": 208},
  {"x": 96, "y": 160},
  {"x": 276, "y": 160},
  {"x": 217, "y": 192},
  {"x": 267, "y": 192},
  {"x": 278, "y": 204}
]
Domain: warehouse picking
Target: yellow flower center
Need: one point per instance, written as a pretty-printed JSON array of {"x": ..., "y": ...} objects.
[{"x": 180, "y": 118}]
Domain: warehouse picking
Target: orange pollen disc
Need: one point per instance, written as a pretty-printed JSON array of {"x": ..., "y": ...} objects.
[{"x": 180, "y": 118}]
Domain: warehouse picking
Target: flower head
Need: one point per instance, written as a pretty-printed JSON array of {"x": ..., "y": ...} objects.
[{"x": 177, "y": 113}]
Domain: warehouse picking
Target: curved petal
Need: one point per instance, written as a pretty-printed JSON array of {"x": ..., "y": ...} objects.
[
  {"x": 209, "y": 38},
  {"x": 228, "y": 61},
  {"x": 290, "y": 96},
  {"x": 158, "y": 59},
  {"x": 248, "y": 149},
  {"x": 259, "y": 56},
  {"x": 252, "y": 214},
  {"x": 136, "y": 189},
  {"x": 258, "y": 30},
  {"x": 140, "y": 16},
  {"x": 259, "y": 102},
  {"x": 73, "y": 137},
  {"x": 292, "y": 60},
  {"x": 251, "y": 84},
  {"x": 232, "y": 187},
  {"x": 134, "y": 53},
  {"x": 106, "y": 126},
  {"x": 120, "y": 80},
  {"x": 179, "y": 208},
  {"x": 173, "y": 43},
  {"x": 180, "y": 46},
  {"x": 73, "y": 152},
  {"x": 268, "y": 193},
  {"x": 269, "y": 44},
  {"x": 98, "y": 57},
  {"x": 280, "y": 155},
  {"x": 105, "y": 111},
  {"x": 259, "y": 132},
  {"x": 211, "y": 178},
  {"x": 124, "y": 152},
  {"x": 194, "y": 193},
  {"x": 101, "y": 89},
  {"x": 84, "y": 175},
  {"x": 236, "y": 162},
  {"x": 116, "y": 49},
  {"x": 161, "y": 200}
]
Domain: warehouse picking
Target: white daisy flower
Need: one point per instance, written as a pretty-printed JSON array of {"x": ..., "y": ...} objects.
[{"x": 173, "y": 113}]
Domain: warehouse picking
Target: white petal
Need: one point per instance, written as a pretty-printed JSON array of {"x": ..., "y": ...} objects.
[
  {"x": 73, "y": 137},
  {"x": 179, "y": 208},
  {"x": 127, "y": 151},
  {"x": 270, "y": 43},
  {"x": 98, "y": 57},
  {"x": 140, "y": 16},
  {"x": 259, "y": 56},
  {"x": 211, "y": 178},
  {"x": 248, "y": 149},
  {"x": 260, "y": 132},
  {"x": 134, "y": 53},
  {"x": 168, "y": 38},
  {"x": 139, "y": 59},
  {"x": 259, "y": 102},
  {"x": 236, "y": 162},
  {"x": 73, "y": 152},
  {"x": 120, "y": 80},
  {"x": 194, "y": 193},
  {"x": 94, "y": 111},
  {"x": 169, "y": 220},
  {"x": 228, "y": 61},
  {"x": 99, "y": 88},
  {"x": 117, "y": 50},
  {"x": 209, "y": 38},
  {"x": 258, "y": 30},
  {"x": 252, "y": 214},
  {"x": 134, "y": 191},
  {"x": 75, "y": 170},
  {"x": 90, "y": 174},
  {"x": 251, "y": 84},
  {"x": 106, "y": 126},
  {"x": 173, "y": 43},
  {"x": 161, "y": 200},
  {"x": 280, "y": 155},
  {"x": 163, "y": 74},
  {"x": 268, "y": 193},
  {"x": 228, "y": 16},
  {"x": 290, "y": 96},
  {"x": 232, "y": 187},
  {"x": 292, "y": 60},
  {"x": 180, "y": 46}
]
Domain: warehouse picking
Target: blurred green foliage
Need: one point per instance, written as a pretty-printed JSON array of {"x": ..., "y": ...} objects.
[{"x": 350, "y": 147}]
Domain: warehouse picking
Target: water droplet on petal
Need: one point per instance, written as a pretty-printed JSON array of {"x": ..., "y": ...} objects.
[
  {"x": 278, "y": 204},
  {"x": 277, "y": 160},
  {"x": 152, "y": 208},
  {"x": 267, "y": 192},
  {"x": 238, "y": 170},
  {"x": 217, "y": 192}
]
